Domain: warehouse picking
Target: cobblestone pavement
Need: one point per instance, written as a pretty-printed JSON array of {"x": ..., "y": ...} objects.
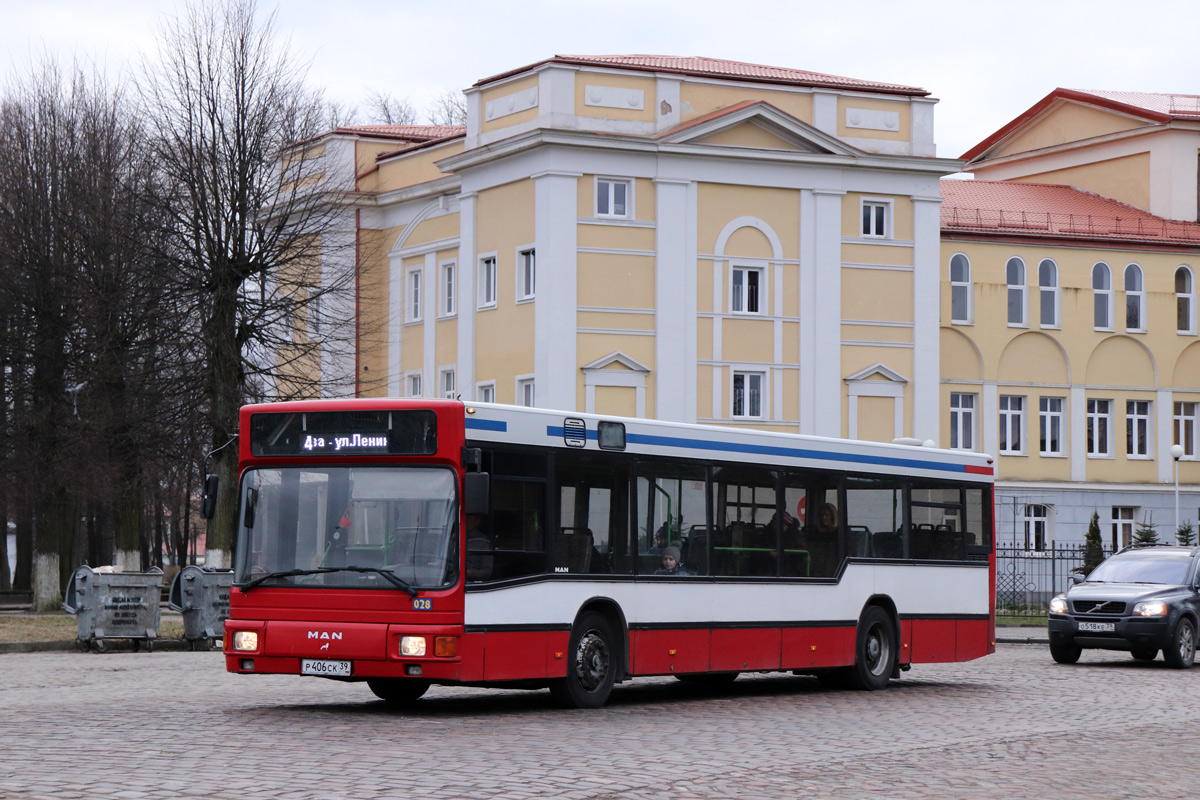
[{"x": 1014, "y": 725}]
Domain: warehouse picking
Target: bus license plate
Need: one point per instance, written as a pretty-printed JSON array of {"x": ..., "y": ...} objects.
[
  {"x": 1098, "y": 627},
  {"x": 309, "y": 666}
]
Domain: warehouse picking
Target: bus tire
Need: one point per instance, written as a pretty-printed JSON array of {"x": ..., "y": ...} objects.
[
  {"x": 397, "y": 691},
  {"x": 874, "y": 651},
  {"x": 592, "y": 668}
]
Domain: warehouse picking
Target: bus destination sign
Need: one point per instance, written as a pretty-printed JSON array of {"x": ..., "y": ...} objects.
[{"x": 344, "y": 433}]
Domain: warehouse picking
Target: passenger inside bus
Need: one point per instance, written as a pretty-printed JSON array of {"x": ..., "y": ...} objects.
[
  {"x": 671, "y": 564},
  {"x": 479, "y": 546}
]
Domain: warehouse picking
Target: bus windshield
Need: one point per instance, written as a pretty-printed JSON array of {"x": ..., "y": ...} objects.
[{"x": 340, "y": 526}]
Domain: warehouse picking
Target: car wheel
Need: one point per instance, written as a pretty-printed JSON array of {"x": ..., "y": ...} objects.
[
  {"x": 397, "y": 691},
  {"x": 592, "y": 668},
  {"x": 1182, "y": 651},
  {"x": 1065, "y": 653},
  {"x": 1144, "y": 655},
  {"x": 875, "y": 653}
]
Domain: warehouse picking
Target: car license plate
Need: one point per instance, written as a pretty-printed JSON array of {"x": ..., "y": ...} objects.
[
  {"x": 1098, "y": 627},
  {"x": 309, "y": 666}
]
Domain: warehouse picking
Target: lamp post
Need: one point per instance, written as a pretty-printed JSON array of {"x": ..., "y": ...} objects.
[{"x": 1176, "y": 453}]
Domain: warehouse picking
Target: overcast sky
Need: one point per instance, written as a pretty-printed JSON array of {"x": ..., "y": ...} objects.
[{"x": 985, "y": 61}]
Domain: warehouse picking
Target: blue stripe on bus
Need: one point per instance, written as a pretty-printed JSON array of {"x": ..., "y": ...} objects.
[
  {"x": 487, "y": 424},
  {"x": 768, "y": 450}
]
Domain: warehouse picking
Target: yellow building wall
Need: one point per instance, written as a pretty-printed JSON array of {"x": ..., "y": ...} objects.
[
  {"x": 410, "y": 170},
  {"x": 902, "y": 133},
  {"x": 877, "y": 295},
  {"x": 747, "y": 340},
  {"x": 749, "y": 135},
  {"x": 617, "y": 401},
  {"x": 643, "y": 198},
  {"x": 876, "y": 419},
  {"x": 433, "y": 229},
  {"x": 616, "y": 237},
  {"x": 614, "y": 280},
  {"x": 698, "y": 99},
  {"x": 1126, "y": 179},
  {"x": 719, "y": 204},
  {"x": 500, "y": 92},
  {"x": 648, "y": 87},
  {"x": 1070, "y": 122}
]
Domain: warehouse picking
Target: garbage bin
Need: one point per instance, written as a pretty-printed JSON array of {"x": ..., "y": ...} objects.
[
  {"x": 110, "y": 604},
  {"x": 202, "y": 594}
]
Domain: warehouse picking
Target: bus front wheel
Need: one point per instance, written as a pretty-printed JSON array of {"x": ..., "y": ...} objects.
[
  {"x": 397, "y": 691},
  {"x": 592, "y": 668},
  {"x": 875, "y": 651}
]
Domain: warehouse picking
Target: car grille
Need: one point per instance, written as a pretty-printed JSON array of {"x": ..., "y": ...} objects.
[{"x": 1099, "y": 607}]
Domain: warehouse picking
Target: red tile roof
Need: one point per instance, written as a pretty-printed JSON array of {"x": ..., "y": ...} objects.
[
  {"x": 1181, "y": 106},
  {"x": 719, "y": 68},
  {"x": 1009, "y": 208},
  {"x": 412, "y": 133}
]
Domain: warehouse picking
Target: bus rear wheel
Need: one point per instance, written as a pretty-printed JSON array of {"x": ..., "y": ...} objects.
[
  {"x": 874, "y": 652},
  {"x": 397, "y": 691},
  {"x": 592, "y": 668}
]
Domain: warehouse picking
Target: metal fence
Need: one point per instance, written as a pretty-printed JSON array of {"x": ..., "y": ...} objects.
[{"x": 1026, "y": 580}]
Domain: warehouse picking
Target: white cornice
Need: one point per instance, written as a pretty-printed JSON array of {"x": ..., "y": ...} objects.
[{"x": 447, "y": 185}]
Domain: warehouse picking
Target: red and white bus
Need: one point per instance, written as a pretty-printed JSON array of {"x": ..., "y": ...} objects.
[{"x": 416, "y": 542}]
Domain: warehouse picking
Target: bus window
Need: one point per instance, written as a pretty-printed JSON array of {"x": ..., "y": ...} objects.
[
  {"x": 744, "y": 543},
  {"x": 977, "y": 537},
  {"x": 809, "y": 526},
  {"x": 874, "y": 518},
  {"x": 671, "y": 512},
  {"x": 937, "y": 522},
  {"x": 593, "y": 510},
  {"x": 515, "y": 530}
]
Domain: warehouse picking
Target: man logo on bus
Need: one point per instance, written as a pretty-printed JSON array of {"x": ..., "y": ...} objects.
[{"x": 324, "y": 635}]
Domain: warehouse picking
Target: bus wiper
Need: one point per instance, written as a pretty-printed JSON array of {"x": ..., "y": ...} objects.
[{"x": 387, "y": 574}]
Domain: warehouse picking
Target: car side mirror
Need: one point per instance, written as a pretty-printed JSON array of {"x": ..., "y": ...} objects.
[
  {"x": 1077, "y": 578},
  {"x": 208, "y": 502},
  {"x": 476, "y": 492}
]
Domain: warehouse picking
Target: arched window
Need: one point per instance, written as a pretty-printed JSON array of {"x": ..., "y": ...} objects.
[
  {"x": 1185, "y": 301},
  {"x": 960, "y": 289},
  {"x": 1135, "y": 299},
  {"x": 1048, "y": 284},
  {"x": 1102, "y": 293},
  {"x": 1015, "y": 274}
]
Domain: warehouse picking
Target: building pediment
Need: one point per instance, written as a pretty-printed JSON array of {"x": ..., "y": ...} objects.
[
  {"x": 876, "y": 372},
  {"x": 756, "y": 124},
  {"x": 616, "y": 361}
]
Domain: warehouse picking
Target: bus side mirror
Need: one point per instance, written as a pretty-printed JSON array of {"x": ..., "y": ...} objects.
[
  {"x": 476, "y": 492},
  {"x": 208, "y": 502}
]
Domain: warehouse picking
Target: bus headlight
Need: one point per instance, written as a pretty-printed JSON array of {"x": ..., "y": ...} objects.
[
  {"x": 245, "y": 640},
  {"x": 412, "y": 645},
  {"x": 1150, "y": 608},
  {"x": 1059, "y": 605}
]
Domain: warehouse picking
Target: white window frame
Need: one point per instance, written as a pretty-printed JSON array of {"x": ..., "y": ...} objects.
[
  {"x": 1185, "y": 429},
  {"x": 1137, "y": 429},
  {"x": 1021, "y": 291},
  {"x": 448, "y": 287},
  {"x": 413, "y": 385},
  {"x": 1099, "y": 427},
  {"x": 526, "y": 260},
  {"x": 1122, "y": 525},
  {"x": 1185, "y": 301},
  {"x": 1103, "y": 295},
  {"x": 748, "y": 378},
  {"x": 1135, "y": 296},
  {"x": 1049, "y": 294},
  {"x": 489, "y": 269},
  {"x": 738, "y": 277},
  {"x": 962, "y": 420},
  {"x": 965, "y": 288},
  {"x": 1036, "y": 522},
  {"x": 1012, "y": 424},
  {"x": 868, "y": 226},
  {"x": 313, "y": 313},
  {"x": 608, "y": 186},
  {"x": 1048, "y": 419},
  {"x": 526, "y": 391},
  {"x": 447, "y": 383},
  {"x": 414, "y": 279},
  {"x": 485, "y": 392}
]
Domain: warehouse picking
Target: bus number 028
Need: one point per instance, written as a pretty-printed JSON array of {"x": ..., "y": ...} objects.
[{"x": 422, "y": 604}]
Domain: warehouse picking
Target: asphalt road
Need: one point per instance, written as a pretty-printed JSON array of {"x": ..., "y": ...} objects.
[{"x": 1013, "y": 725}]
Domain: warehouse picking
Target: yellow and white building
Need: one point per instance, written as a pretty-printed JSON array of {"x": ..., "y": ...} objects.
[
  {"x": 1069, "y": 341},
  {"x": 681, "y": 238}
]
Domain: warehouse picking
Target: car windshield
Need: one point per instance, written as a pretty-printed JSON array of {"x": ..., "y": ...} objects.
[
  {"x": 1145, "y": 566},
  {"x": 338, "y": 526}
]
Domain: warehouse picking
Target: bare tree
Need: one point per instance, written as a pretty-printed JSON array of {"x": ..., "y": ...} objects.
[
  {"x": 386, "y": 109},
  {"x": 448, "y": 108},
  {"x": 260, "y": 242}
]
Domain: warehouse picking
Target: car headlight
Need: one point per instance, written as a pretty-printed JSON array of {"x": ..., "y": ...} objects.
[
  {"x": 1150, "y": 608},
  {"x": 245, "y": 640},
  {"x": 1059, "y": 605}
]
